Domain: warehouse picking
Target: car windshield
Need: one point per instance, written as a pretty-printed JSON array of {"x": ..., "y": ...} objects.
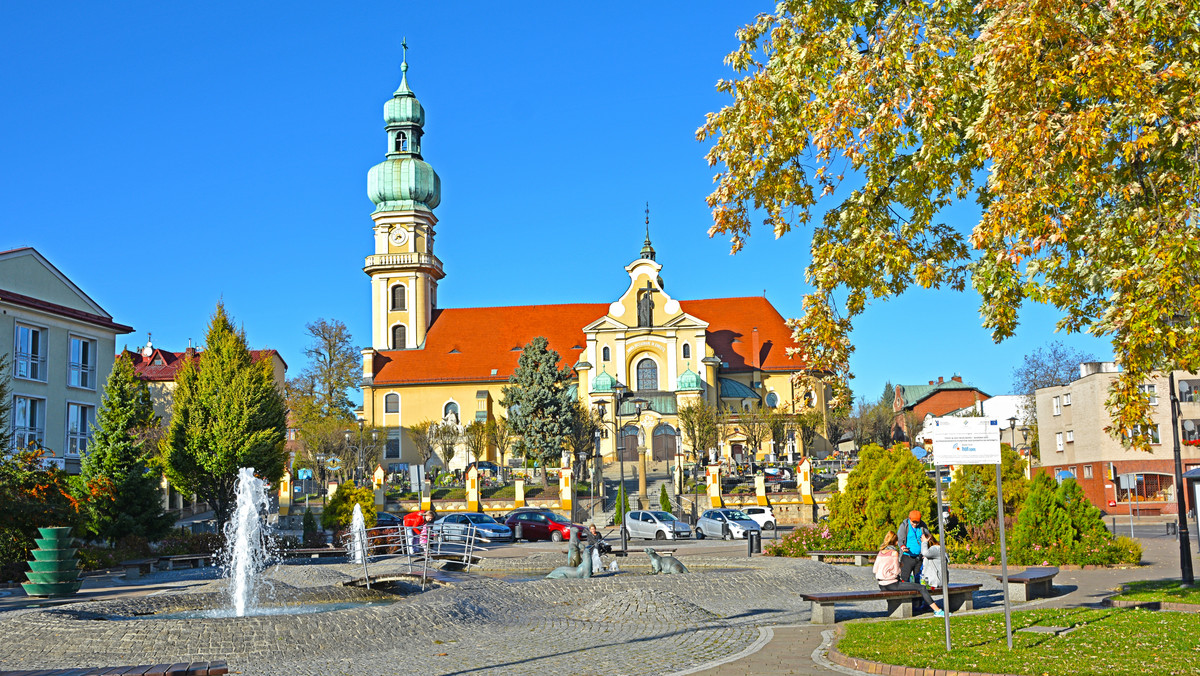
[
  {"x": 663, "y": 516},
  {"x": 737, "y": 515},
  {"x": 479, "y": 518},
  {"x": 557, "y": 519}
]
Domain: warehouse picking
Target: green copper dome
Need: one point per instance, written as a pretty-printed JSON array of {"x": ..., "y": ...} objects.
[
  {"x": 403, "y": 184},
  {"x": 689, "y": 380},
  {"x": 603, "y": 382},
  {"x": 403, "y": 109}
]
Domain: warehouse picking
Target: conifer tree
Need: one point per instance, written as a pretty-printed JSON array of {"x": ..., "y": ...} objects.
[
  {"x": 123, "y": 497},
  {"x": 538, "y": 402},
  {"x": 881, "y": 490},
  {"x": 1042, "y": 521},
  {"x": 227, "y": 414}
]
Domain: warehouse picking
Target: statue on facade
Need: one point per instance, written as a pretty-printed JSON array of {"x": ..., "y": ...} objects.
[{"x": 645, "y": 306}]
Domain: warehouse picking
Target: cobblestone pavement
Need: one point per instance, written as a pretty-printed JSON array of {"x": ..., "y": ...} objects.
[{"x": 487, "y": 621}]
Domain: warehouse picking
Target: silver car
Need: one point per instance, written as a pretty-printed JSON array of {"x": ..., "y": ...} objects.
[
  {"x": 725, "y": 523},
  {"x": 655, "y": 525}
]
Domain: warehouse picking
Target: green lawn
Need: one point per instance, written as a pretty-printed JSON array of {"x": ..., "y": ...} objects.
[
  {"x": 1159, "y": 590},
  {"x": 1107, "y": 641}
]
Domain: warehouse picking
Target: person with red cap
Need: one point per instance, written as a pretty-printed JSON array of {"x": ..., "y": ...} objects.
[{"x": 909, "y": 534}]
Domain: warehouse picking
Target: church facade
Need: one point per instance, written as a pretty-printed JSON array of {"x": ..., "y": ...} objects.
[{"x": 638, "y": 358}]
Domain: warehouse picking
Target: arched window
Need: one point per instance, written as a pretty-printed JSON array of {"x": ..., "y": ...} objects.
[
  {"x": 401, "y": 142},
  {"x": 772, "y": 400},
  {"x": 606, "y": 354},
  {"x": 399, "y": 337},
  {"x": 391, "y": 403},
  {"x": 449, "y": 408},
  {"x": 399, "y": 297},
  {"x": 687, "y": 351},
  {"x": 647, "y": 375}
]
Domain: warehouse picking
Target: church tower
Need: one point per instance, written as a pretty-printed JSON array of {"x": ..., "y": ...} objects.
[{"x": 405, "y": 189}]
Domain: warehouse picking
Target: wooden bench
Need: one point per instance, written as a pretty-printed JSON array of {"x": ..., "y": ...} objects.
[
  {"x": 217, "y": 668},
  {"x": 901, "y": 602},
  {"x": 861, "y": 558},
  {"x": 1031, "y": 583},
  {"x": 184, "y": 561},
  {"x": 136, "y": 568},
  {"x": 313, "y": 553}
]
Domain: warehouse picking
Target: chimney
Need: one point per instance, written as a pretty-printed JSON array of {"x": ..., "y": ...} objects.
[
  {"x": 957, "y": 379},
  {"x": 940, "y": 381},
  {"x": 755, "y": 345},
  {"x": 932, "y": 383}
]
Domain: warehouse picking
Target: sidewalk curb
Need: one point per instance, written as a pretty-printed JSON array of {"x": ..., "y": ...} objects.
[
  {"x": 1152, "y": 605},
  {"x": 765, "y": 634},
  {"x": 869, "y": 667}
]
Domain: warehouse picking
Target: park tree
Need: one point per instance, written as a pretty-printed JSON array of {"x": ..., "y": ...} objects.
[
  {"x": 538, "y": 402},
  {"x": 1072, "y": 125},
  {"x": 807, "y": 424},
  {"x": 972, "y": 494},
  {"x": 1042, "y": 522},
  {"x": 881, "y": 490},
  {"x": 227, "y": 414},
  {"x": 698, "y": 424},
  {"x": 754, "y": 425},
  {"x": 338, "y": 514},
  {"x": 500, "y": 435},
  {"x": 445, "y": 437},
  {"x": 334, "y": 366},
  {"x": 123, "y": 497},
  {"x": 421, "y": 434},
  {"x": 32, "y": 496},
  {"x": 475, "y": 438},
  {"x": 581, "y": 437}
]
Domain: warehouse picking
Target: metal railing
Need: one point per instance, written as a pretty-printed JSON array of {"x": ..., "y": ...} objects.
[{"x": 420, "y": 545}]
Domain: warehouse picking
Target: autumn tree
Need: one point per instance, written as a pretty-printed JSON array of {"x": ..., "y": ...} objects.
[
  {"x": 500, "y": 435},
  {"x": 32, "y": 496},
  {"x": 753, "y": 424},
  {"x": 538, "y": 402},
  {"x": 581, "y": 436},
  {"x": 698, "y": 424},
  {"x": 421, "y": 435},
  {"x": 1073, "y": 125},
  {"x": 123, "y": 497},
  {"x": 227, "y": 414},
  {"x": 334, "y": 366},
  {"x": 445, "y": 437},
  {"x": 475, "y": 439}
]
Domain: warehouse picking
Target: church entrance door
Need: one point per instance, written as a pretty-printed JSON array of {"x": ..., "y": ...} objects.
[
  {"x": 627, "y": 448},
  {"x": 664, "y": 443}
]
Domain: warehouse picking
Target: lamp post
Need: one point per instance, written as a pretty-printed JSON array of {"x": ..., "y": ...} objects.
[
  {"x": 1185, "y": 551},
  {"x": 359, "y": 448},
  {"x": 1012, "y": 432},
  {"x": 619, "y": 395}
]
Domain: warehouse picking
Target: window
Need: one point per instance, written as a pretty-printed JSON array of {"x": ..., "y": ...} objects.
[
  {"x": 1057, "y": 406},
  {"x": 1147, "y": 488},
  {"x": 1087, "y": 471},
  {"x": 401, "y": 142},
  {"x": 399, "y": 337},
  {"x": 391, "y": 448},
  {"x": 647, "y": 375},
  {"x": 606, "y": 354},
  {"x": 399, "y": 298},
  {"x": 79, "y": 428},
  {"x": 687, "y": 351},
  {"x": 1066, "y": 399},
  {"x": 1147, "y": 430},
  {"x": 1152, "y": 392},
  {"x": 81, "y": 369},
  {"x": 29, "y": 421},
  {"x": 772, "y": 400},
  {"x": 1070, "y": 436},
  {"x": 30, "y": 359},
  {"x": 1058, "y": 441},
  {"x": 391, "y": 403}
]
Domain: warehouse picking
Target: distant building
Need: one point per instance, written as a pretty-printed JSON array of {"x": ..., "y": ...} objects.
[
  {"x": 938, "y": 398},
  {"x": 59, "y": 343},
  {"x": 1071, "y": 421}
]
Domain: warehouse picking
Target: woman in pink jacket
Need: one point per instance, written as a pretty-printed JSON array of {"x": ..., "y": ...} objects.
[{"x": 887, "y": 572}]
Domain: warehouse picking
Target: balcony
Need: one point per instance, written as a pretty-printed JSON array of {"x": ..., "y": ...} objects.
[{"x": 404, "y": 260}]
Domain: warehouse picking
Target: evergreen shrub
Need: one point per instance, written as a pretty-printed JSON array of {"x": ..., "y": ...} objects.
[{"x": 340, "y": 510}]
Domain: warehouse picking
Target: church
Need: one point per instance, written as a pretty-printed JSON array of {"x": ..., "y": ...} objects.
[{"x": 637, "y": 359}]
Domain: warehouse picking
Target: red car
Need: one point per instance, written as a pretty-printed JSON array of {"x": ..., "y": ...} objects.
[{"x": 543, "y": 525}]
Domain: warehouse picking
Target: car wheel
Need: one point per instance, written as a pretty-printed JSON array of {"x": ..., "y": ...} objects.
[
  {"x": 699, "y": 534},
  {"x": 770, "y": 525},
  {"x": 659, "y": 535},
  {"x": 729, "y": 536},
  {"x": 556, "y": 536}
]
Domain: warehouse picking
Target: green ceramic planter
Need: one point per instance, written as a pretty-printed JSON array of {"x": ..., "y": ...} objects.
[{"x": 54, "y": 571}]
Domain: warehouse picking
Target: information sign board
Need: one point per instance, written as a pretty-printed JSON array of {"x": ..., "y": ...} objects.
[{"x": 964, "y": 441}]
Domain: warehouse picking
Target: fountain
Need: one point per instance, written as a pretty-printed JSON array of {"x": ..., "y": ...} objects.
[
  {"x": 358, "y": 536},
  {"x": 246, "y": 542}
]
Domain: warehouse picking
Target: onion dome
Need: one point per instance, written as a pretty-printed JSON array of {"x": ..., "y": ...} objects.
[
  {"x": 603, "y": 382},
  {"x": 689, "y": 380},
  {"x": 404, "y": 181}
]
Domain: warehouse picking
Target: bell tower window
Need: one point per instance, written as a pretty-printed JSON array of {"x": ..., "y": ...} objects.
[
  {"x": 687, "y": 351},
  {"x": 399, "y": 337},
  {"x": 401, "y": 142},
  {"x": 399, "y": 298},
  {"x": 606, "y": 354}
]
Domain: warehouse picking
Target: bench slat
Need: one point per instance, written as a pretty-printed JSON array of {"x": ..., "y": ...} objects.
[{"x": 870, "y": 595}]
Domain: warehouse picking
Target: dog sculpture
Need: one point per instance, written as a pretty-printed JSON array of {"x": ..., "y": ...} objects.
[
  {"x": 583, "y": 570},
  {"x": 574, "y": 558},
  {"x": 667, "y": 565}
]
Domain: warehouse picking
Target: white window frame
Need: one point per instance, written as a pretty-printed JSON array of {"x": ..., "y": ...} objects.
[
  {"x": 1155, "y": 437},
  {"x": 1058, "y": 442},
  {"x": 23, "y": 433},
  {"x": 392, "y": 297},
  {"x": 31, "y": 363},
  {"x": 392, "y": 336},
  {"x": 1057, "y": 402},
  {"x": 393, "y": 433},
  {"x": 1152, "y": 390},
  {"x": 1070, "y": 438},
  {"x": 1066, "y": 399},
  {"x": 76, "y": 440},
  {"x": 87, "y": 372},
  {"x": 385, "y": 403},
  {"x": 1087, "y": 472}
]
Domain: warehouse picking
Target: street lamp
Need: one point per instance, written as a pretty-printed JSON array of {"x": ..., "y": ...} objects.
[
  {"x": 618, "y": 395},
  {"x": 347, "y": 434},
  {"x": 1012, "y": 432},
  {"x": 1185, "y": 551}
]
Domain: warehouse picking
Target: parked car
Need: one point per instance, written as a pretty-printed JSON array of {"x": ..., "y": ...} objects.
[
  {"x": 763, "y": 516},
  {"x": 655, "y": 525},
  {"x": 713, "y": 524},
  {"x": 457, "y": 526},
  {"x": 538, "y": 524},
  {"x": 387, "y": 520}
]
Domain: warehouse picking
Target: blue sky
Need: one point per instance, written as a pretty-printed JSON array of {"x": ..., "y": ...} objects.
[{"x": 166, "y": 156}]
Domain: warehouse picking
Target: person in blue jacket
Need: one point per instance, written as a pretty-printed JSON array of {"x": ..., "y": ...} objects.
[{"x": 909, "y": 533}]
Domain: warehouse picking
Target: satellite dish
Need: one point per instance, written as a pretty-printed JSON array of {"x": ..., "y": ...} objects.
[{"x": 1189, "y": 425}]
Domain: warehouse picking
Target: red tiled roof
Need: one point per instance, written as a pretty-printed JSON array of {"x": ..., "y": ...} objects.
[
  {"x": 146, "y": 369},
  {"x": 466, "y": 344},
  {"x": 55, "y": 308}
]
